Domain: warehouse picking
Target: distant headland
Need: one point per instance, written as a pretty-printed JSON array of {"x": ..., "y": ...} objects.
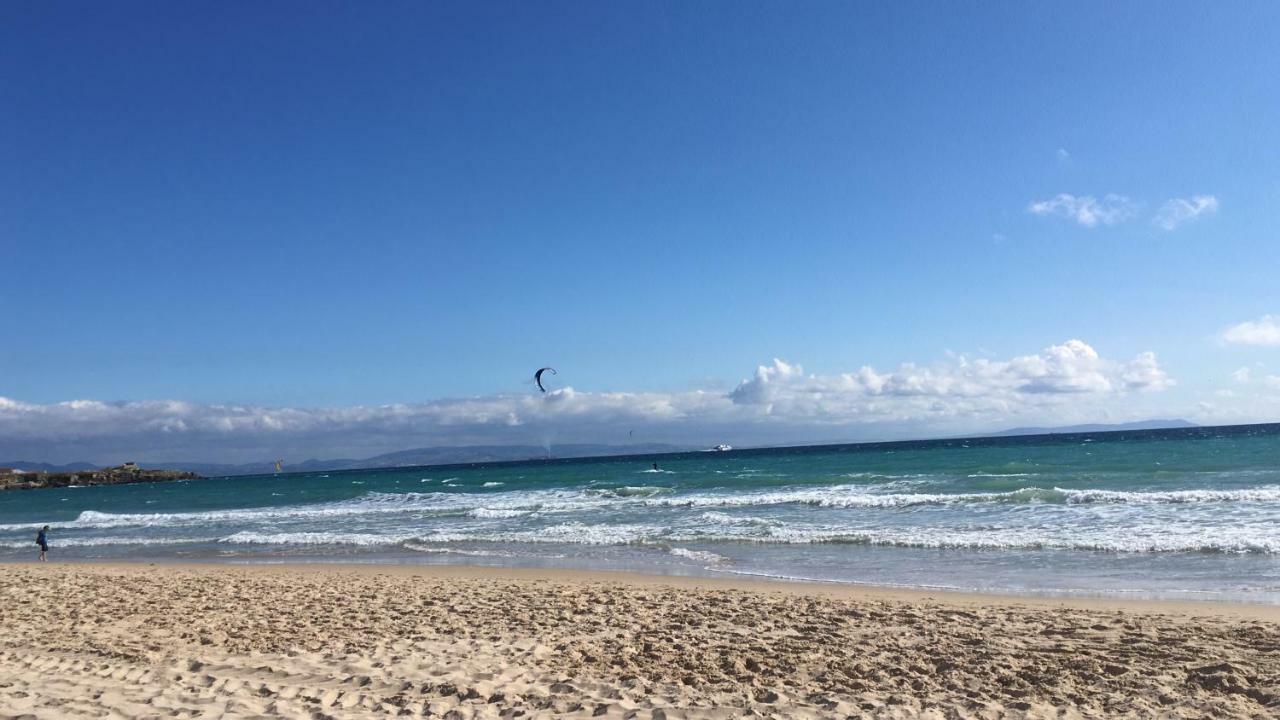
[{"x": 11, "y": 479}]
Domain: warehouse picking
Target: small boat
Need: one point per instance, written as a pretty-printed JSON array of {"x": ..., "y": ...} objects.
[{"x": 721, "y": 448}]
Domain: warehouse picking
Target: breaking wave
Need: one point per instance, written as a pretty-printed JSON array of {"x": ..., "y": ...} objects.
[
  {"x": 701, "y": 556},
  {"x": 1111, "y": 540},
  {"x": 513, "y": 504},
  {"x": 314, "y": 538},
  {"x": 58, "y": 542}
]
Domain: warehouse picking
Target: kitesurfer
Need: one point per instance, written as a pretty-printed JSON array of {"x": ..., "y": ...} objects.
[{"x": 537, "y": 377}]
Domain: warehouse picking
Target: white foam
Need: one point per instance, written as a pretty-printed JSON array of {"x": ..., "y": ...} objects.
[
  {"x": 565, "y": 501},
  {"x": 1147, "y": 521},
  {"x": 638, "y": 491},
  {"x": 720, "y": 518},
  {"x": 1142, "y": 539},
  {"x": 1115, "y": 535},
  {"x": 13, "y": 527},
  {"x": 416, "y": 547},
  {"x": 494, "y": 513},
  {"x": 845, "y": 496},
  {"x": 57, "y": 542},
  {"x": 572, "y": 533},
  {"x": 701, "y": 556},
  {"x": 313, "y": 538},
  {"x": 834, "y": 496},
  {"x": 371, "y": 503},
  {"x": 1153, "y": 538},
  {"x": 1265, "y": 494}
]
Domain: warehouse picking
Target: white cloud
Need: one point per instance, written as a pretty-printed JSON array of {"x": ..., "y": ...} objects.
[
  {"x": 1087, "y": 210},
  {"x": 959, "y": 387},
  {"x": 1272, "y": 382},
  {"x": 1145, "y": 373},
  {"x": 1263, "y": 331},
  {"x": 1177, "y": 211},
  {"x": 778, "y": 403},
  {"x": 1064, "y": 157},
  {"x": 1243, "y": 375}
]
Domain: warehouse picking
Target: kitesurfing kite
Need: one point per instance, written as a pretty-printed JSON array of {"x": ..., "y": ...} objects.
[{"x": 537, "y": 377}]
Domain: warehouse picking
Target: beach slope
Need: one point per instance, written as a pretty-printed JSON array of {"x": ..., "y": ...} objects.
[{"x": 348, "y": 642}]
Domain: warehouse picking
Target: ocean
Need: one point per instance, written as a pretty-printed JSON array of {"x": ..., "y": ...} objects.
[{"x": 1180, "y": 514}]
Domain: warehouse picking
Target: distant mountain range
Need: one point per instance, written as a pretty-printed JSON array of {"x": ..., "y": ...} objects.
[
  {"x": 48, "y": 467},
  {"x": 510, "y": 453},
  {"x": 402, "y": 458},
  {"x": 1094, "y": 427}
]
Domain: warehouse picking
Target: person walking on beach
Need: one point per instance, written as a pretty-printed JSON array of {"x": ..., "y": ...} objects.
[{"x": 42, "y": 540}]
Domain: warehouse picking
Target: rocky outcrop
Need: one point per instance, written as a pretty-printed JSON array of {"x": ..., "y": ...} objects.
[{"x": 119, "y": 475}]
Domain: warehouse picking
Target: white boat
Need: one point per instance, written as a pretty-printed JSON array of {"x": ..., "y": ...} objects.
[{"x": 721, "y": 448}]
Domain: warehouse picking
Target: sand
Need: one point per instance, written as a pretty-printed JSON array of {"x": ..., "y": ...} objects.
[{"x": 140, "y": 641}]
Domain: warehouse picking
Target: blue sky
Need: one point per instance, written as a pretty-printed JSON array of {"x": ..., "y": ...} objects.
[{"x": 326, "y": 206}]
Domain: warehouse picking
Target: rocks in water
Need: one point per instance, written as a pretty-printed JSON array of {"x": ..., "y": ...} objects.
[{"x": 119, "y": 475}]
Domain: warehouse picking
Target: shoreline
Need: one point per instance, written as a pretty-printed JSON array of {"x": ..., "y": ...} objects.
[
  {"x": 468, "y": 643},
  {"x": 758, "y": 584}
]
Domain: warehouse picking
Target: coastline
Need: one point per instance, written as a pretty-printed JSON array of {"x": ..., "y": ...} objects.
[
  {"x": 745, "y": 583},
  {"x": 354, "y": 640}
]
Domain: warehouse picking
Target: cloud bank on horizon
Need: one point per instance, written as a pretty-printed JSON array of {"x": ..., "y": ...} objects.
[{"x": 779, "y": 403}]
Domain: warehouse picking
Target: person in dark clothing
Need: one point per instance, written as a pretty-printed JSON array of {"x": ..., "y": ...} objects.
[{"x": 42, "y": 539}]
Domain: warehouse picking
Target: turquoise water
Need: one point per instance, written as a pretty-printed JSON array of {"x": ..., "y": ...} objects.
[{"x": 1171, "y": 513}]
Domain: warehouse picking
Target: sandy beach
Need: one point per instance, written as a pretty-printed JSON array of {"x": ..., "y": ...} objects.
[{"x": 333, "y": 641}]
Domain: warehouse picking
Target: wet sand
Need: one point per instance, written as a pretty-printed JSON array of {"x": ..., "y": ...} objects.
[{"x": 340, "y": 641}]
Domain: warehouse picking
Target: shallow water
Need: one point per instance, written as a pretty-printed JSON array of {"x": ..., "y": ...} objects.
[{"x": 1171, "y": 513}]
